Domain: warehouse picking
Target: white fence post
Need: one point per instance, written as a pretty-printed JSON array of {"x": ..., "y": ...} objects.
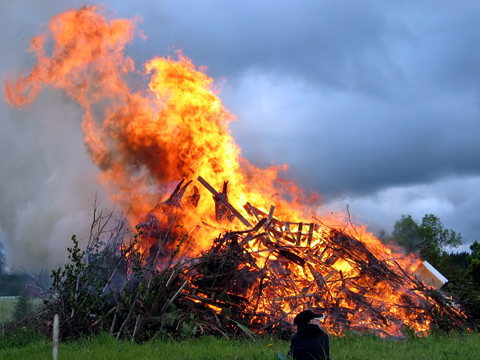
[{"x": 55, "y": 337}]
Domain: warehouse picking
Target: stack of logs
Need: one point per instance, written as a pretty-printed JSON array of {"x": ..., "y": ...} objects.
[{"x": 262, "y": 276}]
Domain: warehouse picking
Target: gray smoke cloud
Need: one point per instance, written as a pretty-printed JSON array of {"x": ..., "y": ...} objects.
[{"x": 48, "y": 184}]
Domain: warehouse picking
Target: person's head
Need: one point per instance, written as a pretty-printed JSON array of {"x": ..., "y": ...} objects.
[{"x": 306, "y": 316}]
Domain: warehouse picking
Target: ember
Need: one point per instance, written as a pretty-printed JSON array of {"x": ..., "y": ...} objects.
[{"x": 269, "y": 262}]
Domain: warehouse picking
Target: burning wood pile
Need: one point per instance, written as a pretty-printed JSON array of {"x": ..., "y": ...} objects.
[
  {"x": 262, "y": 276},
  {"x": 256, "y": 278}
]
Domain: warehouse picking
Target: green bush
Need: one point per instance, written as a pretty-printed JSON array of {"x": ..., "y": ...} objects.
[{"x": 23, "y": 307}]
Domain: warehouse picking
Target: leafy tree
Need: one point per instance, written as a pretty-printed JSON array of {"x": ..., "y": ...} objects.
[
  {"x": 474, "y": 262},
  {"x": 384, "y": 236},
  {"x": 464, "y": 284},
  {"x": 460, "y": 259},
  {"x": 22, "y": 307},
  {"x": 406, "y": 234},
  {"x": 435, "y": 239},
  {"x": 429, "y": 238},
  {"x": 475, "y": 247}
]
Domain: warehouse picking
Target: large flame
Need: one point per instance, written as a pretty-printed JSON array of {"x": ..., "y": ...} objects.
[{"x": 146, "y": 138}]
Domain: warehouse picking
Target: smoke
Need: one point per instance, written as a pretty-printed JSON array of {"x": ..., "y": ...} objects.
[{"x": 48, "y": 183}]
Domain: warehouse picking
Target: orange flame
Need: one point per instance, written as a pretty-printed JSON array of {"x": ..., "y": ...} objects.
[{"x": 148, "y": 140}]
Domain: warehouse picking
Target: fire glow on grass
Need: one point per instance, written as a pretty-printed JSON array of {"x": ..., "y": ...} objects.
[{"x": 175, "y": 128}]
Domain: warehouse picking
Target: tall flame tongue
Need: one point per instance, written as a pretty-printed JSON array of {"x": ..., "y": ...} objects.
[{"x": 146, "y": 141}]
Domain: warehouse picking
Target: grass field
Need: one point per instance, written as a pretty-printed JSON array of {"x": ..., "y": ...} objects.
[
  {"x": 6, "y": 310},
  {"x": 27, "y": 345}
]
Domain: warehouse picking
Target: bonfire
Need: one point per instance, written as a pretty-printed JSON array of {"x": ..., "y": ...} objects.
[{"x": 220, "y": 243}]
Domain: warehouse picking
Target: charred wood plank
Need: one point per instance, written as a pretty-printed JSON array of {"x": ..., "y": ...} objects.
[
  {"x": 317, "y": 276},
  {"x": 195, "y": 197},
  {"x": 176, "y": 196},
  {"x": 251, "y": 233},
  {"x": 222, "y": 212},
  {"x": 291, "y": 256},
  {"x": 287, "y": 227},
  {"x": 251, "y": 237},
  {"x": 275, "y": 222},
  {"x": 299, "y": 233},
  {"x": 278, "y": 268},
  {"x": 310, "y": 234},
  {"x": 270, "y": 213},
  {"x": 224, "y": 200},
  {"x": 251, "y": 210},
  {"x": 221, "y": 304}
]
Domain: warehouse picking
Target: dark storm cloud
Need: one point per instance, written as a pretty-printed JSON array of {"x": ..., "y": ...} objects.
[
  {"x": 395, "y": 147},
  {"x": 333, "y": 43},
  {"x": 407, "y": 106}
]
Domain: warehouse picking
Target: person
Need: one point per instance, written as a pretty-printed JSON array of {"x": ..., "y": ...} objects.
[{"x": 309, "y": 342}]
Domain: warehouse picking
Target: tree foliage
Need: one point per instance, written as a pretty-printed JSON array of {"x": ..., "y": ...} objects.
[
  {"x": 405, "y": 233},
  {"x": 384, "y": 236},
  {"x": 464, "y": 284},
  {"x": 460, "y": 259},
  {"x": 429, "y": 238},
  {"x": 435, "y": 239},
  {"x": 22, "y": 307},
  {"x": 474, "y": 262}
]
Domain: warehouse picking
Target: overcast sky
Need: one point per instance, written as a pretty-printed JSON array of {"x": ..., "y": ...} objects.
[{"x": 373, "y": 104}]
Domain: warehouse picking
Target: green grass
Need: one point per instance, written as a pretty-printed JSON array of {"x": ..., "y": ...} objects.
[
  {"x": 440, "y": 346},
  {"x": 6, "y": 310},
  {"x": 104, "y": 347},
  {"x": 27, "y": 344}
]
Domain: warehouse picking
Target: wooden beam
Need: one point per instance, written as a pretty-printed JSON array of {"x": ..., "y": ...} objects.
[
  {"x": 224, "y": 200},
  {"x": 299, "y": 233},
  {"x": 310, "y": 234}
]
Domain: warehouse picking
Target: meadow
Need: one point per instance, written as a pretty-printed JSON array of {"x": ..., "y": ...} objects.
[
  {"x": 26, "y": 344},
  {"x": 7, "y": 308}
]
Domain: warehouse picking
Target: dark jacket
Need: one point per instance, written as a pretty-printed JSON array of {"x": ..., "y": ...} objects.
[{"x": 310, "y": 343}]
